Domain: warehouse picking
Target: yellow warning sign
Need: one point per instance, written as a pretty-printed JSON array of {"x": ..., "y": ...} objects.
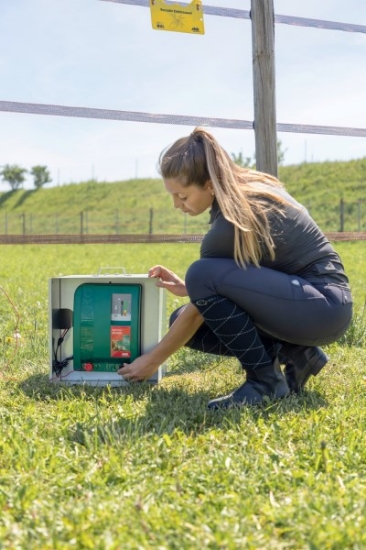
[{"x": 177, "y": 17}]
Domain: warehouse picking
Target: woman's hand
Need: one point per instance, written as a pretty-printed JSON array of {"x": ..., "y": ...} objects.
[
  {"x": 140, "y": 369},
  {"x": 184, "y": 327},
  {"x": 168, "y": 280}
]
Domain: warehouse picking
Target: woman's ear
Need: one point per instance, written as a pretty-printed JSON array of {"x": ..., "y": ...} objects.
[{"x": 209, "y": 187}]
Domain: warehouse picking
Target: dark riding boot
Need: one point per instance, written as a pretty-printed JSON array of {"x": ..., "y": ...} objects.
[
  {"x": 261, "y": 384},
  {"x": 237, "y": 332},
  {"x": 301, "y": 363}
]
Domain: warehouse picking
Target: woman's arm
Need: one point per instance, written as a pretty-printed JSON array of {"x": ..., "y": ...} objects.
[{"x": 182, "y": 330}]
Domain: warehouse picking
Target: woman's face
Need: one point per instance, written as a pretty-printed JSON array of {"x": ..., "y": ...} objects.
[{"x": 192, "y": 200}]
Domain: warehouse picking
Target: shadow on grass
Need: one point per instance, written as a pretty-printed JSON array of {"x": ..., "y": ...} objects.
[
  {"x": 164, "y": 409},
  {"x": 175, "y": 411},
  {"x": 6, "y": 196},
  {"x": 24, "y": 196},
  {"x": 39, "y": 387}
]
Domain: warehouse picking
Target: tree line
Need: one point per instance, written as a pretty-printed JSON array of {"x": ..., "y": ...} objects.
[
  {"x": 14, "y": 175},
  {"x": 249, "y": 162}
]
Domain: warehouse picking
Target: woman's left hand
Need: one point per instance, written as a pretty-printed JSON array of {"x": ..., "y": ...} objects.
[
  {"x": 140, "y": 369},
  {"x": 169, "y": 280}
]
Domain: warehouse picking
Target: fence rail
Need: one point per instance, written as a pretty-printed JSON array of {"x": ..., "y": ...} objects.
[{"x": 140, "y": 238}]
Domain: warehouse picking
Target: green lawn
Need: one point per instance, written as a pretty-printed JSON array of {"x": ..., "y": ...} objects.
[{"x": 149, "y": 467}]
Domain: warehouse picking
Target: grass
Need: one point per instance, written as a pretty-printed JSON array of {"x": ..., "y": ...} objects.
[
  {"x": 141, "y": 206},
  {"x": 150, "y": 467}
]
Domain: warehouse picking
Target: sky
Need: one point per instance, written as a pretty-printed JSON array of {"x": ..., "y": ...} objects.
[{"x": 105, "y": 55}]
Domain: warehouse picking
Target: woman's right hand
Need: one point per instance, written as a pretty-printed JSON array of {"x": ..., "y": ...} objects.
[{"x": 169, "y": 280}]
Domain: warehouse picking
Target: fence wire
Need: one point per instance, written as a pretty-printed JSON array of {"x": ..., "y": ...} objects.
[{"x": 245, "y": 14}]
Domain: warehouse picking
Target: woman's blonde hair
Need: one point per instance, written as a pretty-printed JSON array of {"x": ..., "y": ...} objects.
[{"x": 243, "y": 199}]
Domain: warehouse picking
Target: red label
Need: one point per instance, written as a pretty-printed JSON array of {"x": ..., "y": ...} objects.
[{"x": 120, "y": 341}]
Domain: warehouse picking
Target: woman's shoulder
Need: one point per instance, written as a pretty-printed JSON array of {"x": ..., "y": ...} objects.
[{"x": 219, "y": 240}]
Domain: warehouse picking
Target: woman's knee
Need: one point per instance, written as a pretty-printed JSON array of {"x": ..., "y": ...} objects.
[{"x": 199, "y": 278}]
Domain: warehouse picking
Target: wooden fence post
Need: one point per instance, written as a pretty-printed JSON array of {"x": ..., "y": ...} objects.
[{"x": 263, "y": 31}]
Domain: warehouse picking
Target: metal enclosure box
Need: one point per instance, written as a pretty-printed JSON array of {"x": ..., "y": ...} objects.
[{"x": 97, "y": 322}]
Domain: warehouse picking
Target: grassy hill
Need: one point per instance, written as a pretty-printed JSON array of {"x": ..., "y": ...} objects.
[
  {"x": 91, "y": 195},
  {"x": 321, "y": 186},
  {"x": 126, "y": 205}
]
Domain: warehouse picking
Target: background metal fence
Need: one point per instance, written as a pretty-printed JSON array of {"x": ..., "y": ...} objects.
[{"x": 337, "y": 217}]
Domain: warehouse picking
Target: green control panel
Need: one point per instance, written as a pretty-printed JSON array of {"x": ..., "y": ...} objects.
[{"x": 107, "y": 326}]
